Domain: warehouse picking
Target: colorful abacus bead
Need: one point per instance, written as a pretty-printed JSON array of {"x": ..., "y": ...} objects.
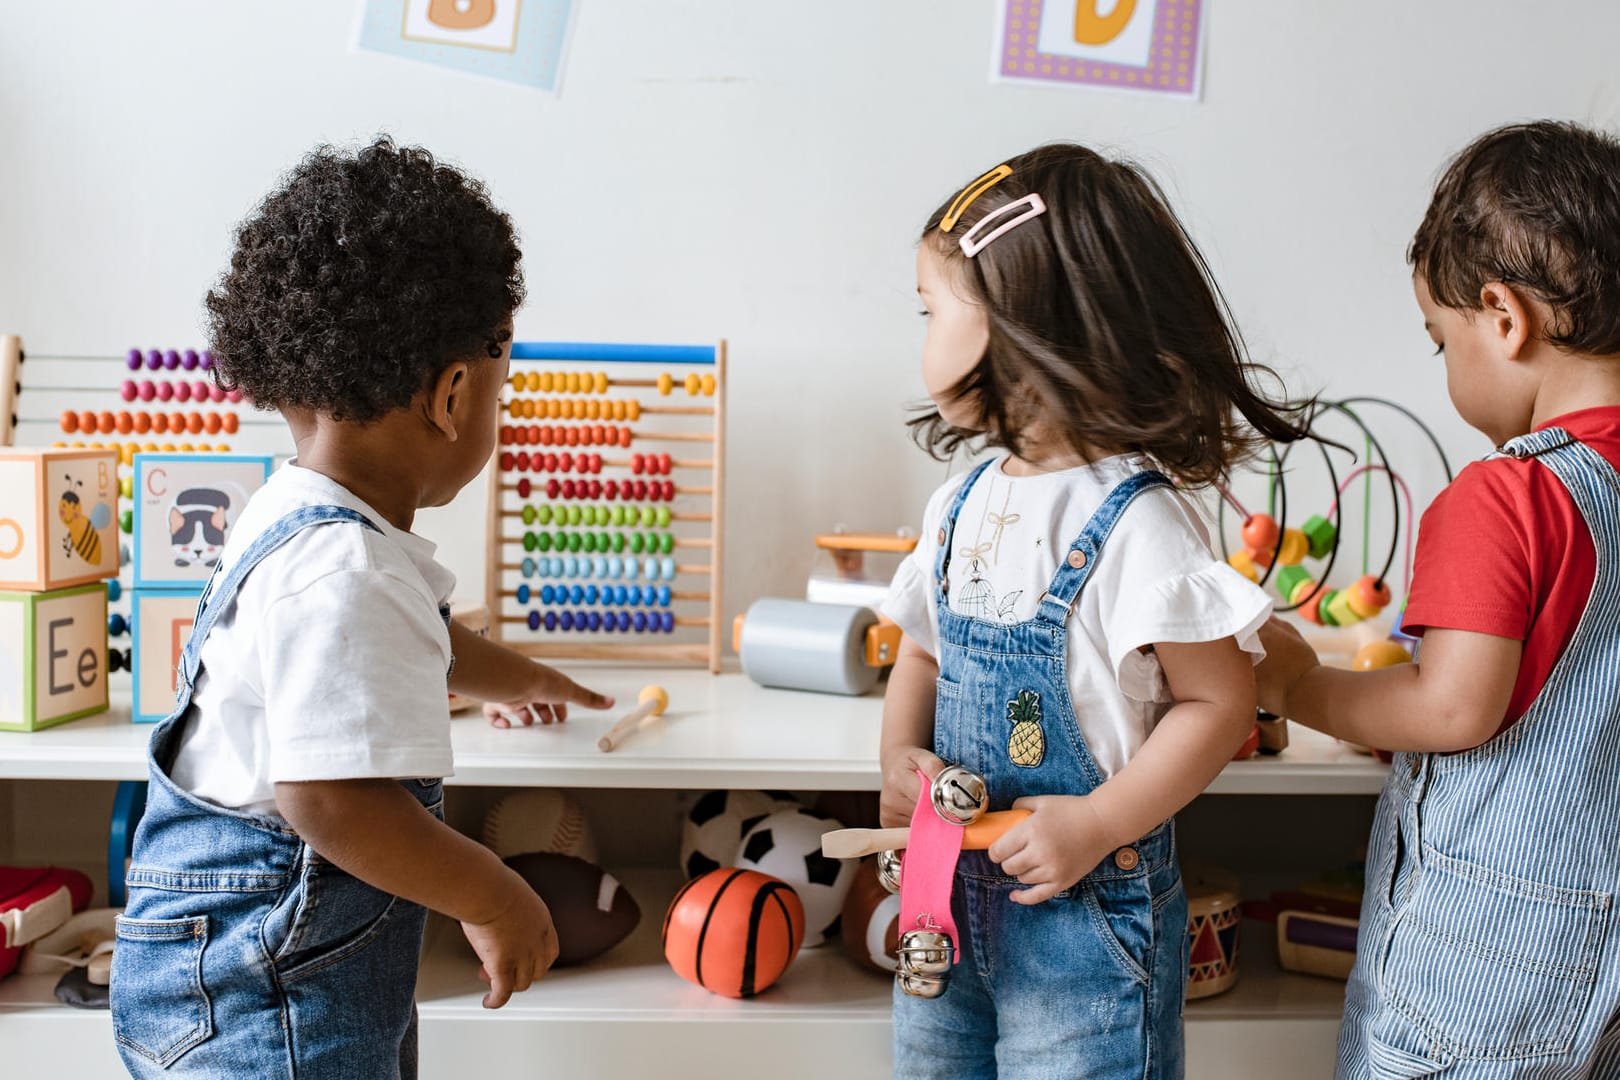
[{"x": 1340, "y": 611}]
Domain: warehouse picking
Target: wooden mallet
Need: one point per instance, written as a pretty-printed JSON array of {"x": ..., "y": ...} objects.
[
  {"x": 854, "y": 843},
  {"x": 654, "y": 700}
]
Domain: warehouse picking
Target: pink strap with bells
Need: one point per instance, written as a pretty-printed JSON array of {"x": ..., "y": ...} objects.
[{"x": 927, "y": 869}]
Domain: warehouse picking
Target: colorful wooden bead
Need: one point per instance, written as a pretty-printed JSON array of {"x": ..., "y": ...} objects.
[
  {"x": 1373, "y": 593},
  {"x": 1321, "y": 534},
  {"x": 1295, "y": 546},
  {"x": 1379, "y": 654},
  {"x": 665, "y": 384},
  {"x": 1340, "y": 610},
  {"x": 1260, "y": 532},
  {"x": 1290, "y": 577},
  {"x": 1243, "y": 564}
]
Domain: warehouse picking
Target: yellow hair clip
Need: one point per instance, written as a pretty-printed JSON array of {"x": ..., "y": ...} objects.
[{"x": 960, "y": 205}]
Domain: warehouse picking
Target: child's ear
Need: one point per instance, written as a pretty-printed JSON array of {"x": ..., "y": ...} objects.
[
  {"x": 1512, "y": 318},
  {"x": 447, "y": 399}
]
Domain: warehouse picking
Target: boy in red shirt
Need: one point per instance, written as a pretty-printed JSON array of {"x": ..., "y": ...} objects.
[{"x": 1489, "y": 946}]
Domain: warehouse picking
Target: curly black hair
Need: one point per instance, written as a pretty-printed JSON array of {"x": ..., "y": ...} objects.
[{"x": 358, "y": 279}]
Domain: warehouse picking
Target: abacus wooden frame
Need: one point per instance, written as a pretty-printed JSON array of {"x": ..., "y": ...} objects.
[{"x": 708, "y": 653}]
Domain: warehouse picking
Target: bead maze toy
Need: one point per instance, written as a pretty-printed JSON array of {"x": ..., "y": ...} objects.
[
  {"x": 1274, "y": 551},
  {"x": 592, "y": 538}
]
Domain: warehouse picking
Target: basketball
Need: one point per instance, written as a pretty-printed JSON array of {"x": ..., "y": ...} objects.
[{"x": 733, "y": 932}]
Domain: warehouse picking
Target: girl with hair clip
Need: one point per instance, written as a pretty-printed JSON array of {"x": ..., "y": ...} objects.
[{"x": 1068, "y": 634}]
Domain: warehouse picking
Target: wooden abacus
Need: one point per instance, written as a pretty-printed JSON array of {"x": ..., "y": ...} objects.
[
  {"x": 592, "y": 534},
  {"x": 151, "y": 400}
]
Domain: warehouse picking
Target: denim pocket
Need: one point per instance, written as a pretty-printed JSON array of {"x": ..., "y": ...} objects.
[
  {"x": 1121, "y": 912},
  {"x": 328, "y": 917},
  {"x": 1492, "y": 966},
  {"x": 947, "y": 688},
  {"x": 160, "y": 1009}
]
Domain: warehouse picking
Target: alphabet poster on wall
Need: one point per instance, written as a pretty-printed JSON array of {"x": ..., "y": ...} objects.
[
  {"x": 521, "y": 41},
  {"x": 1146, "y": 46}
]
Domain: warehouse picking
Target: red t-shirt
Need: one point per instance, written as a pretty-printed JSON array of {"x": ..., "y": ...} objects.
[{"x": 1504, "y": 551}]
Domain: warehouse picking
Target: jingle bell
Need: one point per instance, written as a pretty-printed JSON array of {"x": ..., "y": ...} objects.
[
  {"x": 888, "y": 870},
  {"x": 959, "y": 795},
  {"x": 923, "y": 986},
  {"x": 926, "y": 952}
]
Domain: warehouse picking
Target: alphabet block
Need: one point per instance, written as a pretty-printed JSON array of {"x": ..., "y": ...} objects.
[
  {"x": 53, "y": 656},
  {"x": 162, "y": 621},
  {"x": 185, "y": 506},
  {"x": 58, "y": 517}
]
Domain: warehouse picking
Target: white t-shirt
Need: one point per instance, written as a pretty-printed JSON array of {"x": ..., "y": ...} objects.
[
  {"x": 1154, "y": 580},
  {"x": 330, "y": 665}
]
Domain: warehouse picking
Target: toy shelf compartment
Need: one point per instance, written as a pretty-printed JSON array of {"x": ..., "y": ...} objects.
[
  {"x": 628, "y": 1013},
  {"x": 721, "y": 731}
]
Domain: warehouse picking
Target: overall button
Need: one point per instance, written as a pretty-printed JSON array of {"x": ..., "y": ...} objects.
[
  {"x": 1125, "y": 858},
  {"x": 1077, "y": 559},
  {"x": 942, "y": 537}
]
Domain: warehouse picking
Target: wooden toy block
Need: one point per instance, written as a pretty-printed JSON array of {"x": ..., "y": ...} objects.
[
  {"x": 58, "y": 519},
  {"x": 53, "y": 656},
  {"x": 185, "y": 506},
  {"x": 162, "y": 621}
]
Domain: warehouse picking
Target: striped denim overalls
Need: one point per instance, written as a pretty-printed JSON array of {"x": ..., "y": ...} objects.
[
  {"x": 243, "y": 952},
  {"x": 1488, "y": 944},
  {"x": 1091, "y": 982}
]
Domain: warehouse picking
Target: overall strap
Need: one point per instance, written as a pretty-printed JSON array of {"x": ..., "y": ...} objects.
[
  {"x": 947, "y": 529},
  {"x": 1076, "y": 566},
  {"x": 224, "y": 583}
]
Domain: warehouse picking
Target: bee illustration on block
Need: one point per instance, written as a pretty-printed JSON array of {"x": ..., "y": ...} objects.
[{"x": 83, "y": 530}]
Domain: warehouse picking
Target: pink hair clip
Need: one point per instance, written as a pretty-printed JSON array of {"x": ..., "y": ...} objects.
[{"x": 972, "y": 243}]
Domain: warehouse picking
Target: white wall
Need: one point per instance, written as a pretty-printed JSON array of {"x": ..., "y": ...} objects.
[{"x": 757, "y": 169}]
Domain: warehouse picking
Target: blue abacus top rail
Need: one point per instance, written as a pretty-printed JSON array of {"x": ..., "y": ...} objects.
[{"x": 585, "y": 351}]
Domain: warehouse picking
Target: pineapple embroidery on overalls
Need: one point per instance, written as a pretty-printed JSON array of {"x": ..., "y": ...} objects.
[{"x": 1026, "y": 744}]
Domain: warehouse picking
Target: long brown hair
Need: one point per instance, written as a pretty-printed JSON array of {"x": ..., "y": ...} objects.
[{"x": 1106, "y": 327}]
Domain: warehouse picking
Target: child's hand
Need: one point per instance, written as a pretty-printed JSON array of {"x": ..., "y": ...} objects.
[
  {"x": 900, "y": 783},
  {"x": 516, "y": 947},
  {"x": 1061, "y": 842},
  {"x": 547, "y": 698},
  {"x": 1288, "y": 657}
]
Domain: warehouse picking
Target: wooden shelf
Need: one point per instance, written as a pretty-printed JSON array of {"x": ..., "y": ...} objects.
[
  {"x": 628, "y": 1011},
  {"x": 720, "y": 731}
]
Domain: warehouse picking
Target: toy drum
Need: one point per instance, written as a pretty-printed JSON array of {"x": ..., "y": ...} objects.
[{"x": 1214, "y": 916}]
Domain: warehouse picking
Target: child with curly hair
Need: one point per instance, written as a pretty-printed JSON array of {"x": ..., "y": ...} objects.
[{"x": 293, "y": 838}]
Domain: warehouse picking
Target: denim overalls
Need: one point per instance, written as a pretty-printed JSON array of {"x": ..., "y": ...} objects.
[
  {"x": 1090, "y": 983},
  {"x": 242, "y": 952},
  {"x": 1488, "y": 945}
]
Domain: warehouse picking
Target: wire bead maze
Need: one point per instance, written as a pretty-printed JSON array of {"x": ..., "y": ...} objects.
[
  {"x": 606, "y": 502},
  {"x": 146, "y": 400},
  {"x": 1274, "y": 550}
]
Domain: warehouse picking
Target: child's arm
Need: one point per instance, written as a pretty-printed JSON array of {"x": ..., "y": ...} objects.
[
  {"x": 908, "y": 732},
  {"x": 1454, "y": 699},
  {"x": 510, "y": 682},
  {"x": 376, "y": 831},
  {"x": 1067, "y": 835}
]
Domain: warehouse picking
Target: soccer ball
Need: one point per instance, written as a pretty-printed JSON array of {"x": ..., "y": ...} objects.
[
  {"x": 787, "y": 845},
  {"x": 715, "y": 825}
]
